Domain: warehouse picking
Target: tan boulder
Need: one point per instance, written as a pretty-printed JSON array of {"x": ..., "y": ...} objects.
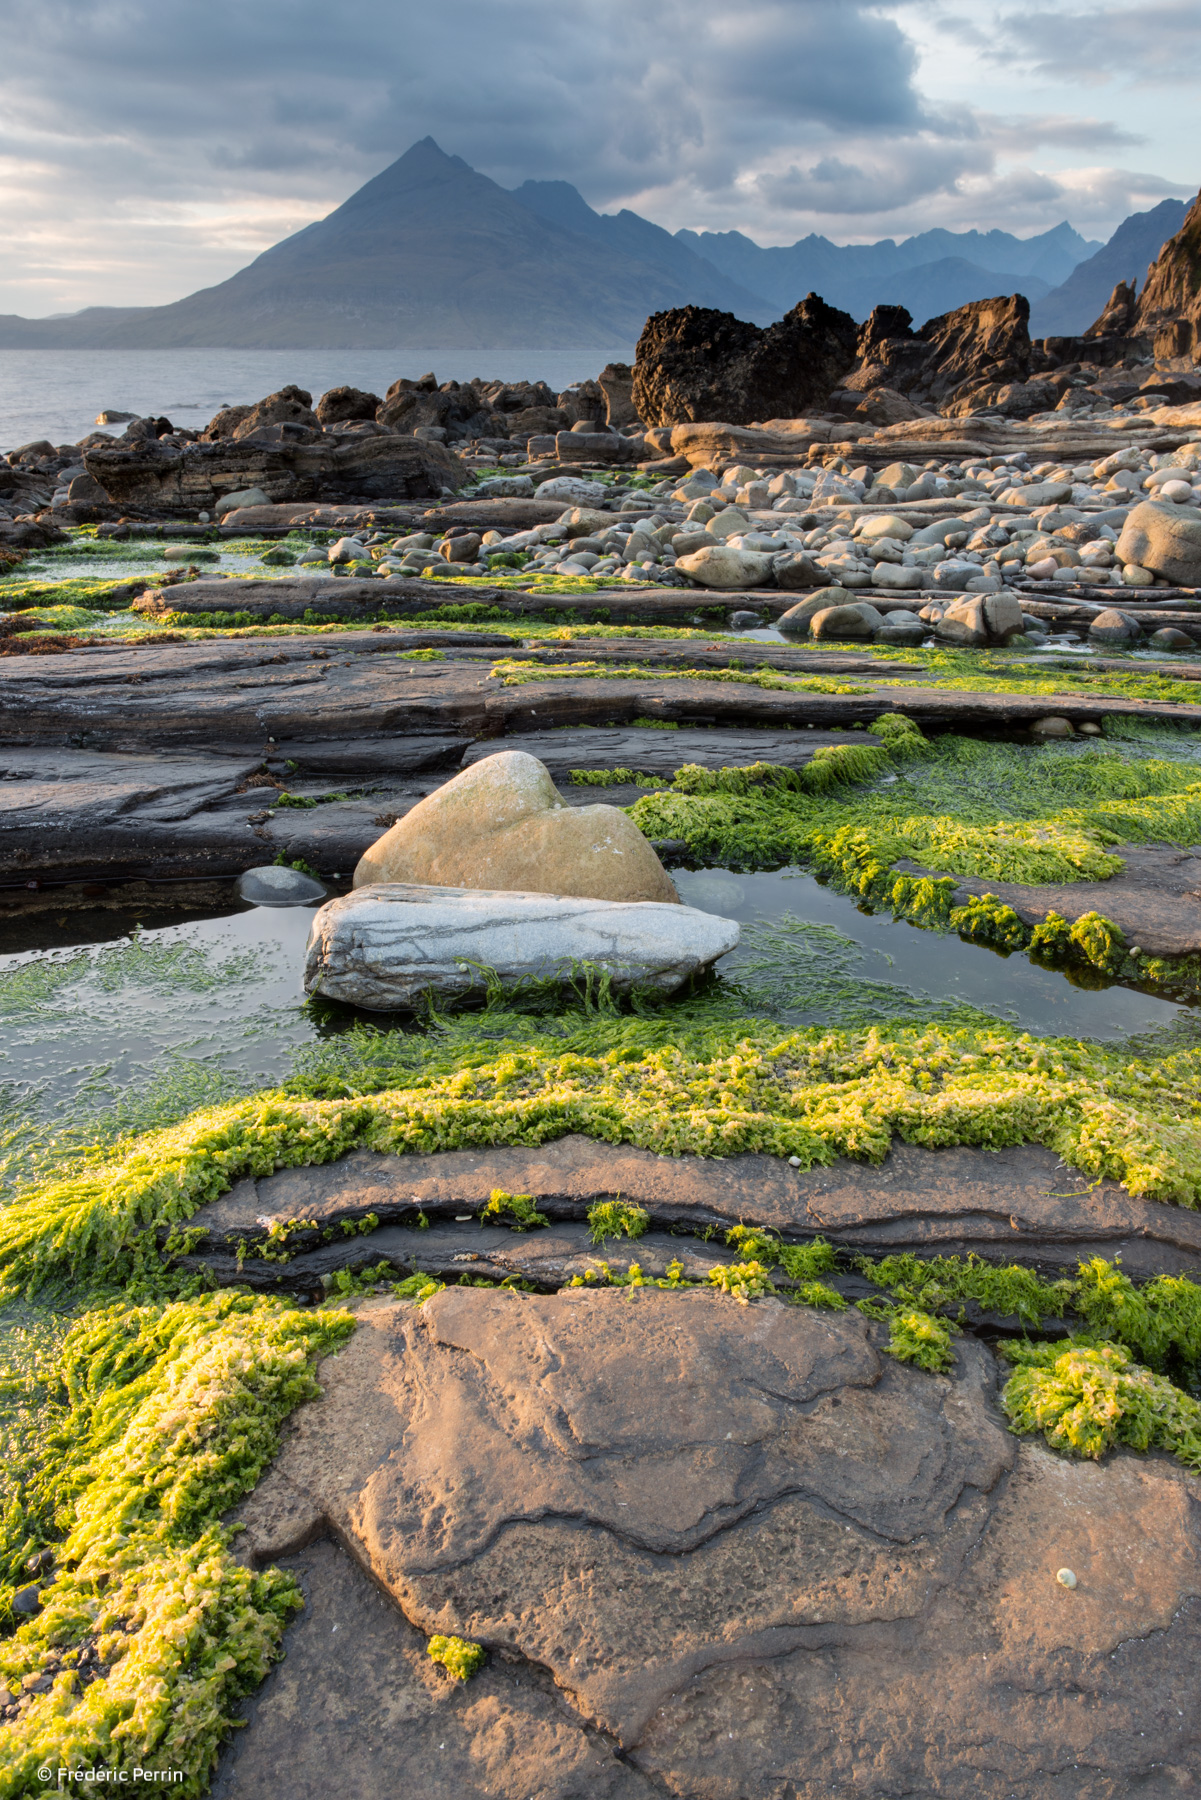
[{"x": 501, "y": 824}]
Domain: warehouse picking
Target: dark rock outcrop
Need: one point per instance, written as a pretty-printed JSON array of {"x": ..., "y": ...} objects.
[
  {"x": 616, "y": 382},
  {"x": 957, "y": 362},
  {"x": 695, "y": 364},
  {"x": 343, "y": 403},
  {"x": 1117, "y": 315},
  {"x": 170, "y": 478},
  {"x": 455, "y": 408},
  {"x": 1169, "y": 309}
]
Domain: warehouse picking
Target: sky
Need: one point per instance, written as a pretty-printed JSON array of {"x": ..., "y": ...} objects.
[{"x": 152, "y": 147}]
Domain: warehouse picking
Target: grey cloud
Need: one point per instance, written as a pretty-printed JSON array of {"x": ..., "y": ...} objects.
[
  {"x": 153, "y": 148},
  {"x": 1140, "y": 43}
]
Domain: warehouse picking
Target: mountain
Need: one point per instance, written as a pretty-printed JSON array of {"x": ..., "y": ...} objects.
[
  {"x": 939, "y": 269},
  {"x": 1075, "y": 303},
  {"x": 627, "y": 234},
  {"x": 427, "y": 254}
]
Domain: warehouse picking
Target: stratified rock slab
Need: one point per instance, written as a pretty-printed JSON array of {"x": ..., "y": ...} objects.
[
  {"x": 696, "y": 1516},
  {"x": 1017, "y": 1203},
  {"x": 357, "y": 1709},
  {"x": 1155, "y": 900}
]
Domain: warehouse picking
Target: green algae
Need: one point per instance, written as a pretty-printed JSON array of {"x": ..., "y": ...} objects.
[
  {"x": 1088, "y": 1397},
  {"x": 991, "y": 811},
  {"x": 515, "y": 1210},
  {"x": 459, "y": 1658},
  {"x": 161, "y": 1416},
  {"x": 616, "y": 1218}
]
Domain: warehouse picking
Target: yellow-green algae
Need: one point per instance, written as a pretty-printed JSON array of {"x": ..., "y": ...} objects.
[
  {"x": 159, "y": 1417},
  {"x": 693, "y": 1077},
  {"x": 989, "y": 811},
  {"x": 457, "y": 1656}
]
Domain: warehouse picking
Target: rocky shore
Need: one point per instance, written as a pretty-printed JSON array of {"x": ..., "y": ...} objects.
[{"x": 592, "y": 1183}]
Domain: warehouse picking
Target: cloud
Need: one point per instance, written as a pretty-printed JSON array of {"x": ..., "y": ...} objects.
[
  {"x": 149, "y": 149},
  {"x": 1158, "y": 44}
]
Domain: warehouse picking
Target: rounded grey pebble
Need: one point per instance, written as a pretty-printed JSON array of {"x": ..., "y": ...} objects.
[
  {"x": 27, "y": 1600},
  {"x": 273, "y": 885}
]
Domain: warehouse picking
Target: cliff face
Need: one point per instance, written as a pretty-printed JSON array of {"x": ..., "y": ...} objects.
[{"x": 1169, "y": 309}]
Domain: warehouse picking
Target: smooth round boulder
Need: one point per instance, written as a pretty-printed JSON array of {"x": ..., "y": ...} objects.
[
  {"x": 501, "y": 824},
  {"x": 856, "y": 621},
  {"x": 1165, "y": 539},
  {"x": 897, "y": 575},
  {"x": 1051, "y": 727},
  {"x": 885, "y": 525},
  {"x": 745, "y": 621},
  {"x": 388, "y": 944},
  {"x": 725, "y": 567},
  {"x": 242, "y": 497},
  {"x": 274, "y": 885},
  {"x": 795, "y": 569},
  {"x": 1169, "y": 638},
  {"x": 1113, "y": 627},
  {"x": 1135, "y": 575},
  {"x": 795, "y": 622}
]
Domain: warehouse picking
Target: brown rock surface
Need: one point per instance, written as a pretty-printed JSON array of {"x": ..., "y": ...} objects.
[
  {"x": 501, "y": 824},
  {"x": 358, "y": 1694},
  {"x": 1020, "y": 1202},
  {"x": 784, "y": 1564},
  {"x": 1169, "y": 307},
  {"x": 985, "y": 343},
  {"x": 694, "y": 364}
]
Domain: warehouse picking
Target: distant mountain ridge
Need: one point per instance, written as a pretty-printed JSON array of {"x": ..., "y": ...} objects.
[
  {"x": 930, "y": 273},
  {"x": 432, "y": 254},
  {"x": 1138, "y": 240}
]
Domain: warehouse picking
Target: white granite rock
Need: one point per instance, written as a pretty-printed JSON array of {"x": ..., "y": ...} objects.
[{"x": 382, "y": 947}]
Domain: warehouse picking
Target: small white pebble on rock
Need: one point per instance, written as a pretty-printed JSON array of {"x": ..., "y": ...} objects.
[
  {"x": 1066, "y": 1578},
  {"x": 794, "y": 1162}
]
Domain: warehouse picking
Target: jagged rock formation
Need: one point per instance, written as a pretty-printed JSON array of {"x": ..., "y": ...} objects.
[
  {"x": 957, "y": 362},
  {"x": 1169, "y": 310},
  {"x": 1118, "y": 314},
  {"x": 695, "y": 364}
]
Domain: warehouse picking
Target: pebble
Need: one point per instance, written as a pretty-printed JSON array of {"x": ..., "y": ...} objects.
[{"x": 1066, "y": 1578}]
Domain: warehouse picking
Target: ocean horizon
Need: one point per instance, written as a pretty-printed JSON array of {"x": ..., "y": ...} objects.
[{"x": 57, "y": 394}]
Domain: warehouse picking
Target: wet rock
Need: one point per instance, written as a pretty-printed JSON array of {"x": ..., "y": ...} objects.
[
  {"x": 1168, "y": 638},
  {"x": 273, "y": 885},
  {"x": 389, "y": 944},
  {"x": 27, "y": 1601},
  {"x": 501, "y": 825},
  {"x": 796, "y": 569},
  {"x": 694, "y": 364},
  {"x": 1162, "y": 537},
  {"x": 1113, "y": 627},
  {"x": 1017, "y": 1202}
]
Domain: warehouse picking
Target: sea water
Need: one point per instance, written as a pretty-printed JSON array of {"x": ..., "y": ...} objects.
[{"x": 57, "y": 394}]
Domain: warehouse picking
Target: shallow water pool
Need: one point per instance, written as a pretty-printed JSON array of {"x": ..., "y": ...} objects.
[{"x": 109, "y": 1024}]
